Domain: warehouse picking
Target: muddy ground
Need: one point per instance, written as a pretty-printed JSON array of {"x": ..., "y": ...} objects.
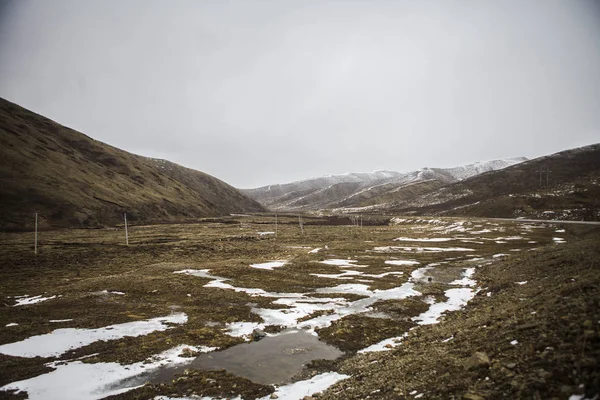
[{"x": 553, "y": 316}]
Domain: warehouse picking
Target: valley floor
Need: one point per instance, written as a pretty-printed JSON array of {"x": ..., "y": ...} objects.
[{"x": 419, "y": 308}]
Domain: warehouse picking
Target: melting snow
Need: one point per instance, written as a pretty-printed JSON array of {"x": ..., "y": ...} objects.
[
  {"x": 11, "y": 324},
  {"x": 60, "y": 341},
  {"x": 386, "y": 249},
  {"x": 457, "y": 298},
  {"x": 202, "y": 273},
  {"x": 94, "y": 381},
  {"x": 269, "y": 265},
  {"x": 405, "y": 239},
  {"x": 339, "y": 262},
  {"x": 385, "y": 345},
  {"x": 299, "y": 390},
  {"x": 24, "y": 300},
  {"x": 466, "y": 279},
  {"x": 401, "y": 262}
]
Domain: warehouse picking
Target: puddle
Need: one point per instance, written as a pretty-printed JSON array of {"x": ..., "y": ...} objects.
[{"x": 272, "y": 360}]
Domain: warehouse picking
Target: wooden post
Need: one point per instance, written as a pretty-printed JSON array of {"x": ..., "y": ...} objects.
[
  {"x": 126, "y": 233},
  {"x": 300, "y": 223},
  {"x": 275, "y": 224},
  {"x": 35, "y": 251}
]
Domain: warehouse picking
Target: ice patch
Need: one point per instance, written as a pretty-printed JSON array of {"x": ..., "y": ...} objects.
[
  {"x": 521, "y": 283},
  {"x": 61, "y": 320},
  {"x": 11, "y": 324},
  {"x": 314, "y": 251},
  {"x": 265, "y": 233},
  {"x": 60, "y": 341},
  {"x": 500, "y": 255},
  {"x": 514, "y": 342}
]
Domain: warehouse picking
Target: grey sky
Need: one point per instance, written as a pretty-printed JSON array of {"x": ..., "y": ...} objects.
[{"x": 260, "y": 92}]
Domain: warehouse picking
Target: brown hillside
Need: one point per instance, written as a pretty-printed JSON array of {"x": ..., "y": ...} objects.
[{"x": 74, "y": 180}]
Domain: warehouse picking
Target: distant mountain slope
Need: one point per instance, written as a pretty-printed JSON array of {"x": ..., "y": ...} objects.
[
  {"x": 570, "y": 191},
  {"x": 360, "y": 189},
  {"x": 73, "y": 180}
]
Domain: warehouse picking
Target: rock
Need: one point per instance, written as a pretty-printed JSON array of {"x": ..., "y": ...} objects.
[
  {"x": 510, "y": 365},
  {"x": 187, "y": 352},
  {"x": 274, "y": 396},
  {"x": 478, "y": 360},
  {"x": 473, "y": 396},
  {"x": 258, "y": 334}
]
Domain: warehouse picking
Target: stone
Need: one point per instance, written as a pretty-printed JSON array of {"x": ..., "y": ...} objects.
[
  {"x": 258, "y": 334},
  {"x": 510, "y": 365},
  {"x": 478, "y": 360},
  {"x": 274, "y": 396}
]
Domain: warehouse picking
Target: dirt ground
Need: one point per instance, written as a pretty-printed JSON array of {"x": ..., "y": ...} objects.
[{"x": 554, "y": 316}]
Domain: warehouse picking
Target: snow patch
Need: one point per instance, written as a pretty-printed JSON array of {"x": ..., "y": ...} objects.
[{"x": 60, "y": 341}]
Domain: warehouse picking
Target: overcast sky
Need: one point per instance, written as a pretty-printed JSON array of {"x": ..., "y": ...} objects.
[{"x": 261, "y": 92}]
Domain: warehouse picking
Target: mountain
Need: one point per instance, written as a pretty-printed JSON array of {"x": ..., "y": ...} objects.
[
  {"x": 360, "y": 189},
  {"x": 570, "y": 191},
  {"x": 71, "y": 179}
]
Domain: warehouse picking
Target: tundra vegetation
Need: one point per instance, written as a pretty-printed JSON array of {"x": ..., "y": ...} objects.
[{"x": 402, "y": 308}]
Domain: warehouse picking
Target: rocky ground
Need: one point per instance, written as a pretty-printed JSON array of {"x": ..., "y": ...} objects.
[{"x": 537, "y": 340}]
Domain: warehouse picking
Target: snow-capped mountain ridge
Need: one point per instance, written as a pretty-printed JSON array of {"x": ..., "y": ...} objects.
[{"x": 331, "y": 190}]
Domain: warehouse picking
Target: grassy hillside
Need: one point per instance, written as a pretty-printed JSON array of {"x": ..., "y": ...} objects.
[
  {"x": 570, "y": 191},
  {"x": 73, "y": 180}
]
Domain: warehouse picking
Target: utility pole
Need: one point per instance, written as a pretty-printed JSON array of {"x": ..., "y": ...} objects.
[
  {"x": 300, "y": 223},
  {"x": 126, "y": 233},
  {"x": 275, "y": 224},
  {"x": 36, "y": 229}
]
